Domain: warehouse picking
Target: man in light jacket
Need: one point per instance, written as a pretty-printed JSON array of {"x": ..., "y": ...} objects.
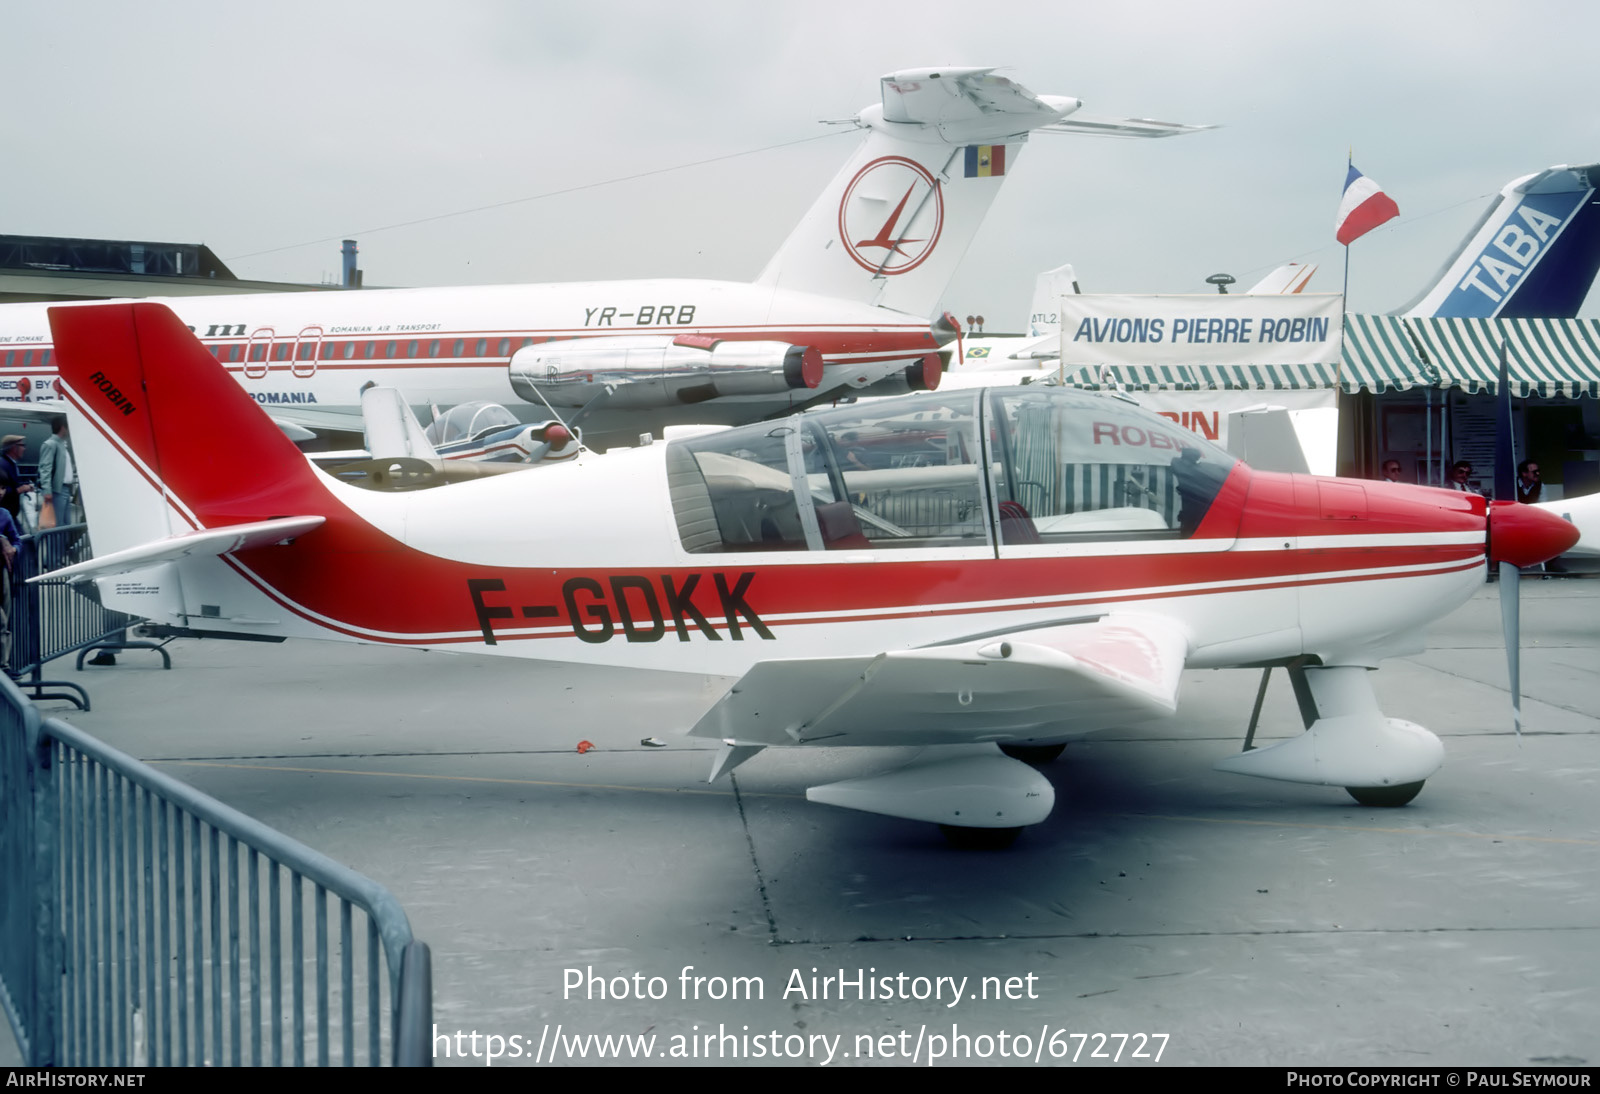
[{"x": 57, "y": 475}]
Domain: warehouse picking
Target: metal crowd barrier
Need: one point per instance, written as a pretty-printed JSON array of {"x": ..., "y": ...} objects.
[
  {"x": 50, "y": 619},
  {"x": 143, "y": 923}
]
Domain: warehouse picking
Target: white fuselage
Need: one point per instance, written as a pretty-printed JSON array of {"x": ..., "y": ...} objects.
[
  {"x": 452, "y": 345},
  {"x": 1245, "y": 600}
]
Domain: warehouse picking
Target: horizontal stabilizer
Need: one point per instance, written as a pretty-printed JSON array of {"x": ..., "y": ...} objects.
[
  {"x": 1084, "y": 125},
  {"x": 973, "y": 100},
  {"x": 201, "y": 543},
  {"x": 1063, "y": 680}
]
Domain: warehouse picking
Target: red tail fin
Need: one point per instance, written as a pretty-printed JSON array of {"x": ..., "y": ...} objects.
[{"x": 143, "y": 380}]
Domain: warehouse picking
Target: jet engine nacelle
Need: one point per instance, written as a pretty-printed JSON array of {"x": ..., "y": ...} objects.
[
  {"x": 646, "y": 372},
  {"x": 923, "y": 375}
]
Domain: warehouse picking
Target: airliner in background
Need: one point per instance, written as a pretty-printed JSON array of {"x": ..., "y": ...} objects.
[{"x": 845, "y": 304}]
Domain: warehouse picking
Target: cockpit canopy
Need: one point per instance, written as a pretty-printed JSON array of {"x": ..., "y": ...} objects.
[
  {"x": 1012, "y": 466},
  {"x": 468, "y": 421}
]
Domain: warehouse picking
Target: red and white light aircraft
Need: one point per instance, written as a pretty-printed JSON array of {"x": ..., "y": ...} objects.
[
  {"x": 844, "y": 304},
  {"x": 967, "y": 571}
]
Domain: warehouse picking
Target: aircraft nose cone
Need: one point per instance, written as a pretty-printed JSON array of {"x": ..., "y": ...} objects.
[{"x": 1525, "y": 536}]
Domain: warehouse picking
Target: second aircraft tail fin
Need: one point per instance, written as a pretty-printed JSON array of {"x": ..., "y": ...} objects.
[
  {"x": 1533, "y": 254},
  {"x": 895, "y": 221}
]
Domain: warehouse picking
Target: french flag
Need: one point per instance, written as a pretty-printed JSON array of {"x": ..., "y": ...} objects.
[{"x": 1363, "y": 207}]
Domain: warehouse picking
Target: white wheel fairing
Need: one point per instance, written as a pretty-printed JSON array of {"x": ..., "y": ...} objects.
[
  {"x": 975, "y": 788},
  {"x": 1350, "y": 744}
]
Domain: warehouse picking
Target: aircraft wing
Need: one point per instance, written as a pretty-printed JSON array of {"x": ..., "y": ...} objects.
[
  {"x": 1059, "y": 680},
  {"x": 314, "y": 418},
  {"x": 205, "y": 541}
]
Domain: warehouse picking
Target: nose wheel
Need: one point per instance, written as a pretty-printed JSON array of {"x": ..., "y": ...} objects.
[{"x": 1387, "y": 797}]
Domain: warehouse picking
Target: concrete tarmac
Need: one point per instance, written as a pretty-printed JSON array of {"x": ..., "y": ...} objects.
[{"x": 1226, "y": 919}]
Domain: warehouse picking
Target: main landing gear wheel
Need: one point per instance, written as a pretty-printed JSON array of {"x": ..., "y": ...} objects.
[
  {"x": 979, "y": 839},
  {"x": 1387, "y": 797},
  {"x": 1034, "y": 754}
]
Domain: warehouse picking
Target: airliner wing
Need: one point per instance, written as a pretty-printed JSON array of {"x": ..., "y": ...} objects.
[
  {"x": 315, "y": 418},
  {"x": 1052, "y": 681}
]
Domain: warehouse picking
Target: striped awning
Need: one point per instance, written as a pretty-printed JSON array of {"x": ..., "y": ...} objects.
[
  {"x": 1544, "y": 356},
  {"x": 1205, "y": 377},
  {"x": 1378, "y": 355},
  {"x": 1547, "y": 357}
]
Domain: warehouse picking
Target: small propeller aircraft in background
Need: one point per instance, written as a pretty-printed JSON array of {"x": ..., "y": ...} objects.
[
  {"x": 491, "y": 433},
  {"x": 976, "y": 572},
  {"x": 472, "y": 441}
]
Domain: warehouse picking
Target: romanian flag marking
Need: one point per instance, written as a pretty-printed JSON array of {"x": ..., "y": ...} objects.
[{"x": 985, "y": 161}]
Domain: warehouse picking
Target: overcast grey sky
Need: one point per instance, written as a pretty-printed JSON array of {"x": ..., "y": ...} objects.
[{"x": 252, "y": 128}]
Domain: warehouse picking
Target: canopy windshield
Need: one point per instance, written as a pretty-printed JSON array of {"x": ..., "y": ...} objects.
[
  {"x": 951, "y": 470},
  {"x": 469, "y": 420}
]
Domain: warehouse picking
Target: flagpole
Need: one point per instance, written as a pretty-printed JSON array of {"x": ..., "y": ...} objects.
[
  {"x": 1344, "y": 301},
  {"x": 1344, "y": 319},
  {"x": 1349, "y": 162},
  {"x": 1362, "y": 207}
]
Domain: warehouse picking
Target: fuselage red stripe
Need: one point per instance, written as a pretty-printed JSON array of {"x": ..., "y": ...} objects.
[{"x": 1472, "y": 559}]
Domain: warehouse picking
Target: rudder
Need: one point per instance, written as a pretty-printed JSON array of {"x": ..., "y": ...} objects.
[{"x": 161, "y": 420}]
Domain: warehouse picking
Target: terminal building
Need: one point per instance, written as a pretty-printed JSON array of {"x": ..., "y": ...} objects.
[{"x": 46, "y": 268}]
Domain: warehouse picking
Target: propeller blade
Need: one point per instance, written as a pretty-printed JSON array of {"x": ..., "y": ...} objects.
[
  {"x": 1510, "y": 622},
  {"x": 1505, "y": 456},
  {"x": 1505, "y": 489}
]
